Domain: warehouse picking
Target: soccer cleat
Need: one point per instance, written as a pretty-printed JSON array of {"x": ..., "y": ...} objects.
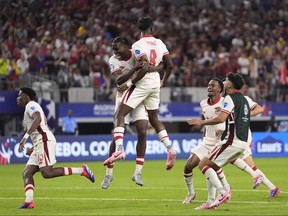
[
  {"x": 229, "y": 189},
  {"x": 257, "y": 181},
  {"x": 87, "y": 173},
  {"x": 204, "y": 206},
  {"x": 222, "y": 198},
  {"x": 119, "y": 155},
  {"x": 27, "y": 205},
  {"x": 273, "y": 193},
  {"x": 171, "y": 159},
  {"x": 138, "y": 179},
  {"x": 106, "y": 182},
  {"x": 189, "y": 198}
]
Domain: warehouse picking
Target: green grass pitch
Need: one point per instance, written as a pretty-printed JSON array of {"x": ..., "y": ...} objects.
[{"x": 162, "y": 193}]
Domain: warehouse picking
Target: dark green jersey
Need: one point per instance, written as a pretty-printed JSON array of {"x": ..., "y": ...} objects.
[{"x": 238, "y": 121}]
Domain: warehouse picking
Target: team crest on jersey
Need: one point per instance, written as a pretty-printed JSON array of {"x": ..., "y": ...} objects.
[
  {"x": 225, "y": 104},
  {"x": 246, "y": 110},
  {"x": 33, "y": 107},
  {"x": 137, "y": 52}
]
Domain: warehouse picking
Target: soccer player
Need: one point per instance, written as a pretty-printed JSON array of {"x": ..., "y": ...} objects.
[
  {"x": 123, "y": 66},
  {"x": 42, "y": 155},
  {"x": 245, "y": 161},
  {"x": 236, "y": 115},
  {"x": 212, "y": 133},
  {"x": 145, "y": 88}
]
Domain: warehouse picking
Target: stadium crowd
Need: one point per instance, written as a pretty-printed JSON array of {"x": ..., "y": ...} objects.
[{"x": 69, "y": 42}]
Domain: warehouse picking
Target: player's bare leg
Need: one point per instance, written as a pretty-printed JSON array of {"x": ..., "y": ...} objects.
[{"x": 163, "y": 136}]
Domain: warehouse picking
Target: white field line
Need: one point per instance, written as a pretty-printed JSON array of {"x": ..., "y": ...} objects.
[
  {"x": 131, "y": 199},
  {"x": 136, "y": 199},
  {"x": 132, "y": 188}
]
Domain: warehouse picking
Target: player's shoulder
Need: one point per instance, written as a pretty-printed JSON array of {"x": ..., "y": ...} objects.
[
  {"x": 204, "y": 101},
  {"x": 221, "y": 100},
  {"x": 113, "y": 58},
  {"x": 33, "y": 105}
]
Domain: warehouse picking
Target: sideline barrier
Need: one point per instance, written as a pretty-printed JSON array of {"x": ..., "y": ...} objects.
[{"x": 96, "y": 147}]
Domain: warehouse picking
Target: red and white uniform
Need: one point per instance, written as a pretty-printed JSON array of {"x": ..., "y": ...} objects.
[
  {"x": 43, "y": 140},
  {"x": 117, "y": 66},
  {"x": 224, "y": 152},
  {"x": 209, "y": 110},
  {"x": 147, "y": 89}
]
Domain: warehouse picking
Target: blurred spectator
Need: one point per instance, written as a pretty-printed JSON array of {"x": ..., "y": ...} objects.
[
  {"x": 23, "y": 65},
  {"x": 13, "y": 76},
  {"x": 283, "y": 126},
  {"x": 204, "y": 38},
  {"x": 62, "y": 79},
  {"x": 4, "y": 70},
  {"x": 244, "y": 64},
  {"x": 69, "y": 124},
  {"x": 50, "y": 65},
  {"x": 272, "y": 125},
  {"x": 83, "y": 65}
]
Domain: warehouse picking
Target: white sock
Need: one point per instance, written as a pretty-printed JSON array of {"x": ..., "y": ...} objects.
[
  {"x": 71, "y": 170},
  {"x": 29, "y": 192},
  {"x": 189, "y": 182},
  {"x": 211, "y": 192},
  {"x": 109, "y": 169},
  {"x": 241, "y": 164},
  {"x": 118, "y": 138},
  {"x": 265, "y": 181},
  {"x": 222, "y": 178},
  {"x": 213, "y": 178},
  {"x": 139, "y": 164},
  {"x": 164, "y": 138}
]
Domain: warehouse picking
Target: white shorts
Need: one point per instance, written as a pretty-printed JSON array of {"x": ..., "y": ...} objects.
[
  {"x": 139, "y": 113},
  {"x": 224, "y": 154},
  {"x": 201, "y": 150},
  {"x": 135, "y": 96},
  {"x": 247, "y": 152},
  {"x": 44, "y": 154}
]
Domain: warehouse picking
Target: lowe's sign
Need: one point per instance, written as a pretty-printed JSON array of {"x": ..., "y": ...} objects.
[{"x": 270, "y": 144}]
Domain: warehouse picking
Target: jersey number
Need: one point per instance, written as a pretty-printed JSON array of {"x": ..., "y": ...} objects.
[{"x": 153, "y": 56}]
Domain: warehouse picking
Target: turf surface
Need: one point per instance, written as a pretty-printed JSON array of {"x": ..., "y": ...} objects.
[{"x": 162, "y": 193}]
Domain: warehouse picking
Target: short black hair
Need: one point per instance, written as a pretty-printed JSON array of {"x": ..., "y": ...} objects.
[
  {"x": 144, "y": 23},
  {"x": 220, "y": 83},
  {"x": 123, "y": 40},
  {"x": 236, "y": 79},
  {"x": 29, "y": 91}
]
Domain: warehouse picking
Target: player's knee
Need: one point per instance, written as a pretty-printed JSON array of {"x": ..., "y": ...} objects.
[
  {"x": 141, "y": 133},
  {"x": 46, "y": 174},
  {"x": 27, "y": 173},
  {"x": 188, "y": 169}
]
